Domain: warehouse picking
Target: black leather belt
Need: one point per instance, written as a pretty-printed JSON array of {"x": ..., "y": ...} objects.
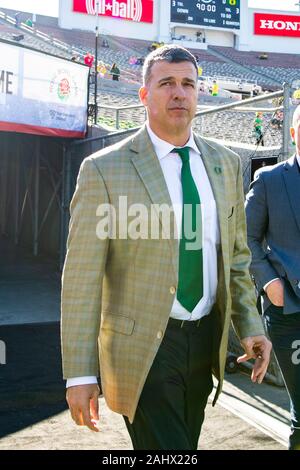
[{"x": 184, "y": 323}]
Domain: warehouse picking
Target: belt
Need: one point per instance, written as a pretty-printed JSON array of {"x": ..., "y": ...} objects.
[{"x": 184, "y": 323}]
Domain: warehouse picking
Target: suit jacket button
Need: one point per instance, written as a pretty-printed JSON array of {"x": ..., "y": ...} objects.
[
  {"x": 172, "y": 290},
  {"x": 159, "y": 334}
]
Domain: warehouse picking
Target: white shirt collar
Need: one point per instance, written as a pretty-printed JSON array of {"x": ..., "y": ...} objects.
[
  {"x": 298, "y": 158},
  {"x": 163, "y": 148}
]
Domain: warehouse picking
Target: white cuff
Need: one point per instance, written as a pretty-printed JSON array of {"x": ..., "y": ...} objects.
[
  {"x": 270, "y": 282},
  {"x": 86, "y": 380}
]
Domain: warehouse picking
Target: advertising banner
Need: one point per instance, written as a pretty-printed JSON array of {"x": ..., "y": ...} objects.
[
  {"x": 140, "y": 11},
  {"x": 41, "y": 94},
  {"x": 276, "y": 25}
]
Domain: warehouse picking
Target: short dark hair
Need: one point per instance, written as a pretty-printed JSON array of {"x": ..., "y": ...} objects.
[{"x": 169, "y": 53}]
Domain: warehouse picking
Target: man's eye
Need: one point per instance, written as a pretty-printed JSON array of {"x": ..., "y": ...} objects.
[{"x": 166, "y": 83}]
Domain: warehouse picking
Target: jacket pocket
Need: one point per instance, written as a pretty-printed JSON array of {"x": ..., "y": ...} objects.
[
  {"x": 117, "y": 323},
  {"x": 231, "y": 211}
]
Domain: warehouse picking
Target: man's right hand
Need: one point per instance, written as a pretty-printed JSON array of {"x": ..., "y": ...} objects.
[
  {"x": 275, "y": 293},
  {"x": 83, "y": 404}
]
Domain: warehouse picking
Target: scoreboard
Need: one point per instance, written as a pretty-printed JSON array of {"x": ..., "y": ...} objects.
[{"x": 215, "y": 13}]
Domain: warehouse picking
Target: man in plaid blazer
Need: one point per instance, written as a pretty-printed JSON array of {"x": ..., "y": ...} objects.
[{"x": 122, "y": 317}]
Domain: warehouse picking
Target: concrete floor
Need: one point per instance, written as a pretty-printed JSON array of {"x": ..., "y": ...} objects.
[
  {"x": 33, "y": 411},
  {"x": 29, "y": 287}
]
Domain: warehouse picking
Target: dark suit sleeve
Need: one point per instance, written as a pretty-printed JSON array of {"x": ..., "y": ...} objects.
[
  {"x": 244, "y": 315},
  {"x": 257, "y": 225}
]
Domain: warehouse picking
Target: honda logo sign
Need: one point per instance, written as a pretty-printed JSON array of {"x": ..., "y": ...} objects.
[{"x": 276, "y": 25}]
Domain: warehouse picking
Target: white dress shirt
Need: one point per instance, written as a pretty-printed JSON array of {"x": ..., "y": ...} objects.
[{"x": 171, "y": 167}]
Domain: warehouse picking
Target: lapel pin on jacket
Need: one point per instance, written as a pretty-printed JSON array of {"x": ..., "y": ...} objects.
[{"x": 218, "y": 170}]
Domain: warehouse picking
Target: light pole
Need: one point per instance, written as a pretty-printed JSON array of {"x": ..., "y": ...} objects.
[{"x": 96, "y": 60}]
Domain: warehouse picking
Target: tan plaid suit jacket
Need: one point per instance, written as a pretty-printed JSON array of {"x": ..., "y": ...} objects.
[{"x": 117, "y": 294}]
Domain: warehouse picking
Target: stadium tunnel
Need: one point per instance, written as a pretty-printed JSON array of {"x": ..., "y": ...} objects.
[{"x": 37, "y": 180}]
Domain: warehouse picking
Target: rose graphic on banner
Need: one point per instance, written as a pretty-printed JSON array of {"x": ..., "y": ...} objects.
[
  {"x": 134, "y": 10},
  {"x": 64, "y": 89},
  {"x": 63, "y": 85}
]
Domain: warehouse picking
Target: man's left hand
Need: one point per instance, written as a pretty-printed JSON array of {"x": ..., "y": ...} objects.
[{"x": 258, "y": 348}]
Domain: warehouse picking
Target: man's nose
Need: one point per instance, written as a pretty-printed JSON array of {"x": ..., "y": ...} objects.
[{"x": 179, "y": 91}]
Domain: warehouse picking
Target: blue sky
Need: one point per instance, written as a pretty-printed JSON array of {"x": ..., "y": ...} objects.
[{"x": 50, "y": 7}]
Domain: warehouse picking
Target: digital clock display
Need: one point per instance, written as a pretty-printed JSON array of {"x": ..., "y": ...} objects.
[{"x": 215, "y": 13}]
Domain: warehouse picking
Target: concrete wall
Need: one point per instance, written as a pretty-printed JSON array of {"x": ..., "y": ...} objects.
[
  {"x": 159, "y": 30},
  {"x": 111, "y": 26},
  {"x": 212, "y": 37}
]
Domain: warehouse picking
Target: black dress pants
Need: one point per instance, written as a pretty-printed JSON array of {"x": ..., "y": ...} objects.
[
  {"x": 284, "y": 332},
  {"x": 170, "y": 411}
]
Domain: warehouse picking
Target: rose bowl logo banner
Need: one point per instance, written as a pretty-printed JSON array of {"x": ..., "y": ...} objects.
[
  {"x": 140, "y": 11},
  {"x": 276, "y": 25},
  {"x": 42, "y": 94}
]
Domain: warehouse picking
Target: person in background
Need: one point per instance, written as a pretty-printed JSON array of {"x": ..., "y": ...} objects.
[
  {"x": 17, "y": 19},
  {"x": 29, "y": 23},
  {"x": 215, "y": 88},
  {"x": 273, "y": 221},
  {"x": 258, "y": 128},
  {"x": 104, "y": 43},
  {"x": 132, "y": 60},
  {"x": 115, "y": 72},
  {"x": 101, "y": 69},
  {"x": 199, "y": 36},
  {"x": 89, "y": 59},
  {"x": 277, "y": 120}
]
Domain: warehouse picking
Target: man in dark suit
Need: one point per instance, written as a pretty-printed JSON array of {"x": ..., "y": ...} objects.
[{"x": 273, "y": 217}]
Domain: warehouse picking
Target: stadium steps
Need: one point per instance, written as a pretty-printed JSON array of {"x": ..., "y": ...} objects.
[
  {"x": 35, "y": 38},
  {"x": 260, "y": 76}
]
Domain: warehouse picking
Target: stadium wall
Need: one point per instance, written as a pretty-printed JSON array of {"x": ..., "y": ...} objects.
[
  {"x": 248, "y": 41},
  {"x": 213, "y": 37},
  {"x": 111, "y": 26},
  {"x": 162, "y": 29}
]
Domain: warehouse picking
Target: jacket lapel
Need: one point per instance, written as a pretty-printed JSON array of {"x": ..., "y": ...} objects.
[
  {"x": 148, "y": 167},
  {"x": 291, "y": 176},
  {"x": 215, "y": 171}
]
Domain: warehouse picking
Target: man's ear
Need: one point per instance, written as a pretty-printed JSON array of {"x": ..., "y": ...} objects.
[
  {"x": 292, "y": 131},
  {"x": 143, "y": 95}
]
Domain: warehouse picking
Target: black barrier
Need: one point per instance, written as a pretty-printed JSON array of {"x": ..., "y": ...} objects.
[{"x": 259, "y": 162}]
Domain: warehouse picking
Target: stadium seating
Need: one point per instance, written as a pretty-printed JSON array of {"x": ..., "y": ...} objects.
[{"x": 228, "y": 125}]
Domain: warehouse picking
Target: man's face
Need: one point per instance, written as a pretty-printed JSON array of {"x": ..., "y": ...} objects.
[{"x": 170, "y": 97}]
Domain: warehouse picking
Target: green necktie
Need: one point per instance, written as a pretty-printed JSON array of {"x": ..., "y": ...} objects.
[{"x": 190, "y": 282}]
